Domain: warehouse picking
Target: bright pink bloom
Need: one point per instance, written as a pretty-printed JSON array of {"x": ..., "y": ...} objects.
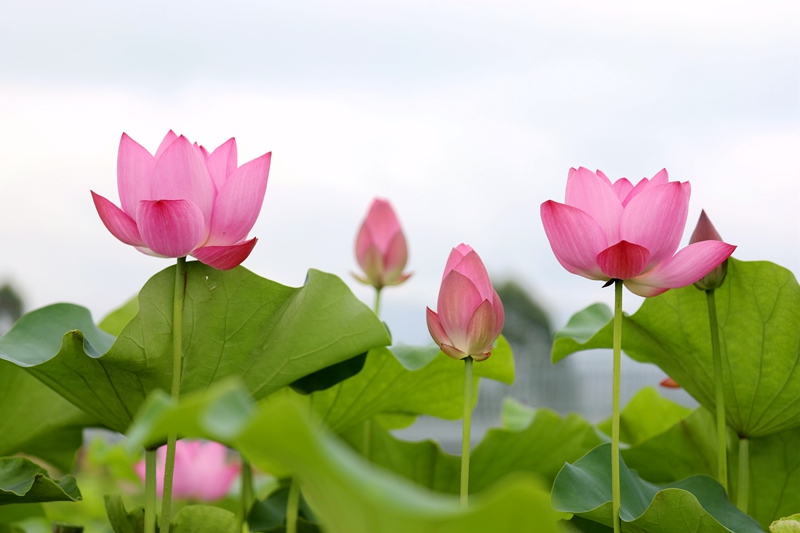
[
  {"x": 185, "y": 200},
  {"x": 201, "y": 470},
  {"x": 381, "y": 248},
  {"x": 608, "y": 231},
  {"x": 470, "y": 314}
]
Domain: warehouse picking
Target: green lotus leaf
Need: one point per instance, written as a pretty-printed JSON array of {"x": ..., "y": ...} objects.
[
  {"x": 407, "y": 380},
  {"x": 697, "y": 504},
  {"x": 758, "y": 308},
  {"x": 22, "y": 481},
  {"x": 347, "y": 494},
  {"x": 203, "y": 519},
  {"x": 36, "y": 421},
  {"x": 235, "y": 323},
  {"x": 539, "y": 445}
]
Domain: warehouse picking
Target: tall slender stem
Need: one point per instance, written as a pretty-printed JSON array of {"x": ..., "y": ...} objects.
[
  {"x": 377, "y": 306},
  {"x": 722, "y": 444},
  {"x": 465, "y": 431},
  {"x": 367, "y": 425},
  {"x": 177, "y": 362},
  {"x": 615, "y": 389},
  {"x": 247, "y": 494},
  {"x": 149, "y": 491},
  {"x": 744, "y": 474},
  {"x": 292, "y": 506}
]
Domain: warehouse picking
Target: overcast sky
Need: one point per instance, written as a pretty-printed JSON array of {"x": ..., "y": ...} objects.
[{"x": 466, "y": 115}]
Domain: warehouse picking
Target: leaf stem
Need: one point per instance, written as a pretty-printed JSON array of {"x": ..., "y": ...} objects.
[
  {"x": 722, "y": 445},
  {"x": 465, "y": 432},
  {"x": 292, "y": 506},
  {"x": 150, "y": 491},
  {"x": 615, "y": 393},
  {"x": 247, "y": 494},
  {"x": 744, "y": 474},
  {"x": 177, "y": 362}
]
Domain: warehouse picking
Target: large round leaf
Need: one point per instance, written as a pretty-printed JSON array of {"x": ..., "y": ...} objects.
[
  {"x": 759, "y": 320},
  {"x": 347, "y": 494},
  {"x": 235, "y": 323},
  {"x": 696, "y": 504}
]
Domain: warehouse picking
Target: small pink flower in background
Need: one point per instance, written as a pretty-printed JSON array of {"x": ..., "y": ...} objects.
[
  {"x": 705, "y": 231},
  {"x": 202, "y": 471},
  {"x": 470, "y": 314},
  {"x": 381, "y": 248},
  {"x": 609, "y": 231},
  {"x": 184, "y": 200}
]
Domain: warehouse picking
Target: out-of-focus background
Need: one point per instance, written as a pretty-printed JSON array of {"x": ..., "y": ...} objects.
[{"x": 467, "y": 115}]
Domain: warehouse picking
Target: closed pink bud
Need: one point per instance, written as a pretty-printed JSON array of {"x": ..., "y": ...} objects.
[
  {"x": 381, "y": 248},
  {"x": 470, "y": 314},
  {"x": 201, "y": 473},
  {"x": 705, "y": 231},
  {"x": 184, "y": 200}
]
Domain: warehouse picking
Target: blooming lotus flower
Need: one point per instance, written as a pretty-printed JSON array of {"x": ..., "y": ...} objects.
[
  {"x": 470, "y": 314},
  {"x": 608, "y": 231},
  {"x": 184, "y": 200},
  {"x": 201, "y": 470},
  {"x": 705, "y": 231},
  {"x": 381, "y": 248}
]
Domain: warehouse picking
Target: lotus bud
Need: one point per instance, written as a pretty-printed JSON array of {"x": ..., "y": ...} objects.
[
  {"x": 470, "y": 314},
  {"x": 705, "y": 231},
  {"x": 381, "y": 248}
]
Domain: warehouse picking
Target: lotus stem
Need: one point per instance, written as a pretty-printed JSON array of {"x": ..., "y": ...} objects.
[
  {"x": 177, "y": 363},
  {"x": 744, "y": 474},
  {"x": 150, "y": 491},
  {"x": 465, "y": 432},
  {"x": 293, "y": 506},
  {"x": 615, "y": 390},
  {"x": 247, "y": 494},
  {"x": 722, "y": 444},
  {"x": 377, "y": 307}
]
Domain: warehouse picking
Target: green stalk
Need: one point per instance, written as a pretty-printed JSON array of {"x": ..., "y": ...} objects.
[
  {"x": 150, "y": 491},
  {"x": 744, "y": 474},
  {"x": 377, "y": 307},
  {"x": 367, "y": 425},
  {"x": 177, "y": 362},
  {"x": 722, "y": 445},
  {"x": 292, "y": 506},
  {"x": 247, "y": 494},
  {"x": 465, "y": 431},
  {"x": 615, "y": 388}
]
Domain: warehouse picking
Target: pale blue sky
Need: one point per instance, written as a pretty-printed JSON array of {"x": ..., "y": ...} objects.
[{"x": 466, "y": 115}]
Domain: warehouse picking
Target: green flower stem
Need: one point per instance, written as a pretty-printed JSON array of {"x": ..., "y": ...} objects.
[
  {"x": 744, "y": 474},
  {"x": 150, "y": 491},
  {"x": 377, "y": 307},
  {"x": 247, "y": 494},
  {"x": 177, "y": 362},
  {"x": 293, "y": 506},
  {"x": 615, "y": 388},
  {"x": 722, "y": 444},
  {"x": 465, "y": 431}
]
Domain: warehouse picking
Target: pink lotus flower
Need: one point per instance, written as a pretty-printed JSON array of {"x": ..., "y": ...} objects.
[
  {"x": 705, "y": 231},
  {"x": 185, "y": 200},
  {"x": 470, "y": 314},
  {"x": 381, "y": 248},
  {"x": 609, "y": 231},
  {"x": 201, "y": 470}
]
